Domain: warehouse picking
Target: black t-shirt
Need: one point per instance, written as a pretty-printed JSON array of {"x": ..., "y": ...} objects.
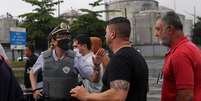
[
  {"x": 29, "y": 63},
  {"x": 127, "y": 64}
]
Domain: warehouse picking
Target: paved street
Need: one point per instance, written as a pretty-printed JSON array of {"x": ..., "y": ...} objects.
[{"x": 155, "y": 65}]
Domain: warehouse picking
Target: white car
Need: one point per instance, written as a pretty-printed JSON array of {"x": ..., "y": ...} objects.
[{"x": 20, "y": 58}]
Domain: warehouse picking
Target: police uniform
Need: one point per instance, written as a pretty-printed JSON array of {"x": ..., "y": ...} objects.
[{"x": 59, "y": 74}]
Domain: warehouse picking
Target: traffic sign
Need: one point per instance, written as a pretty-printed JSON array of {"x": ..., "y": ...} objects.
[{"x": 18, "y": 38}]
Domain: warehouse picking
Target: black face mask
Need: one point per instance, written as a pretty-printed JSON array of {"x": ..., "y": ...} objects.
[{"x": 64, "y": 44}]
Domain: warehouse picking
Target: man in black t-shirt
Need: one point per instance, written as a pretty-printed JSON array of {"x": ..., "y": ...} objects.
[
  {"x": 31, "y": 59},
  {"x": 126, "y": 76}
]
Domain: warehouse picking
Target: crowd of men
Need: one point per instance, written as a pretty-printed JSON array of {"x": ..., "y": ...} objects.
[{"x": 87, "y": 73}]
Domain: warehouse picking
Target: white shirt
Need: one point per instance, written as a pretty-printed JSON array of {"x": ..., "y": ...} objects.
[{"x": 86, "y": 65}]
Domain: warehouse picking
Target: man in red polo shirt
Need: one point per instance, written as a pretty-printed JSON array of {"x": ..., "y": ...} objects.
[{"x": 182, "y": 65}]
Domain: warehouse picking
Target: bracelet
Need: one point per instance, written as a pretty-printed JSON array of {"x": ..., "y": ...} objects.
[{"x": 36, "y": 89}]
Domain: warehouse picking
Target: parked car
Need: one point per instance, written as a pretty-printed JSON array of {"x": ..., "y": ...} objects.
[{"x": 20, "y": 58}]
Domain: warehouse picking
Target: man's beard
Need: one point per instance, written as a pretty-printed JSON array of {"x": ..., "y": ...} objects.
[
  {"x": 108, "y": 42},
  {"x": 165, "y": 42}
]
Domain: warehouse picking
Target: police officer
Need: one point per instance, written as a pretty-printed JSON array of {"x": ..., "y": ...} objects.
[{"x": 57, "y": 66}]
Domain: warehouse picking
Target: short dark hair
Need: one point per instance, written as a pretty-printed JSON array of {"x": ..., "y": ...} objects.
[
  {"x": 31, "y": 47},
  {"x": 122, "y": 26},
  {"x": 84, "y": 40},
  {"x": 171, "y": 18}
]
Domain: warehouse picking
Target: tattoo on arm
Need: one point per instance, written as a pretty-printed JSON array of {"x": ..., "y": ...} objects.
[{"x": 120, "y": 85}]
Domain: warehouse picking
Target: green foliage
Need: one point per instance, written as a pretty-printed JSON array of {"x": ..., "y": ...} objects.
[
  {"x": 90, "y": 23},
  {"x": 40, "y": 21},
  {"x": 19, "y": 74},
  {"x": 17, "y": 64},
  {"x": 96, "y": 3},
  {"x": 196, "y": 36}
]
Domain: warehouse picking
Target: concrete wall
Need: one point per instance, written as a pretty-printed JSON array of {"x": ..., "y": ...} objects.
[
  {"x": 142, "y": 15},
  {"x": 5, "y": 24},
  {"x": 144, "y": 38},
  {"x": 188, "y": 24},
  {"x": 128, "y": 7},
  {"x": 143, "y": 28},
  {"x": 152, "y": 50}
]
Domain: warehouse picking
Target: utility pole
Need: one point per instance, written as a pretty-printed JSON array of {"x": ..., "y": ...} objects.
[
  {"x": 125, "y": 12},
  {"x": 175, "y": 5},
  {"x": 194, "y": 14},
  {"x": 58, "y": 8}
]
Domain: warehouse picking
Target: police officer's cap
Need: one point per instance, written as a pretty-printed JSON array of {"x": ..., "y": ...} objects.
[{"x": 61, "y": 29}]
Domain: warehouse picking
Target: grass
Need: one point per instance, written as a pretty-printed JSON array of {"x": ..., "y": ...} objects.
[
  {"x": 19, "y": 74},
  {"x": 18, "y": 70},
  {"x": 17, "y": 64}
]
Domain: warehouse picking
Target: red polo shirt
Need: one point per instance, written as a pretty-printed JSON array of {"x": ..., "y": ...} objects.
[{"x": 182, "y": 70}]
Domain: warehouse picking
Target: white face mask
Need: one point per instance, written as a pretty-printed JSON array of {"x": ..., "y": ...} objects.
[{"x": 76, "y": 50}]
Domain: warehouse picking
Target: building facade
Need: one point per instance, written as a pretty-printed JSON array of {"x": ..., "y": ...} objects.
[
  {"x": 142, "y": 15},
  {"x": 5, "y": 24}
]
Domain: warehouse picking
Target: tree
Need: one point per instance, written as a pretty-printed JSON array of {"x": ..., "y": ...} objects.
[
  {"x": 196, "y": 35},
  {"x": 90, "y": 23},
  {"x": 40, "y": 22}
]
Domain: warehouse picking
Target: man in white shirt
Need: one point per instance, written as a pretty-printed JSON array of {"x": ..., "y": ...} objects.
[{"x": 92, "y": 75}]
